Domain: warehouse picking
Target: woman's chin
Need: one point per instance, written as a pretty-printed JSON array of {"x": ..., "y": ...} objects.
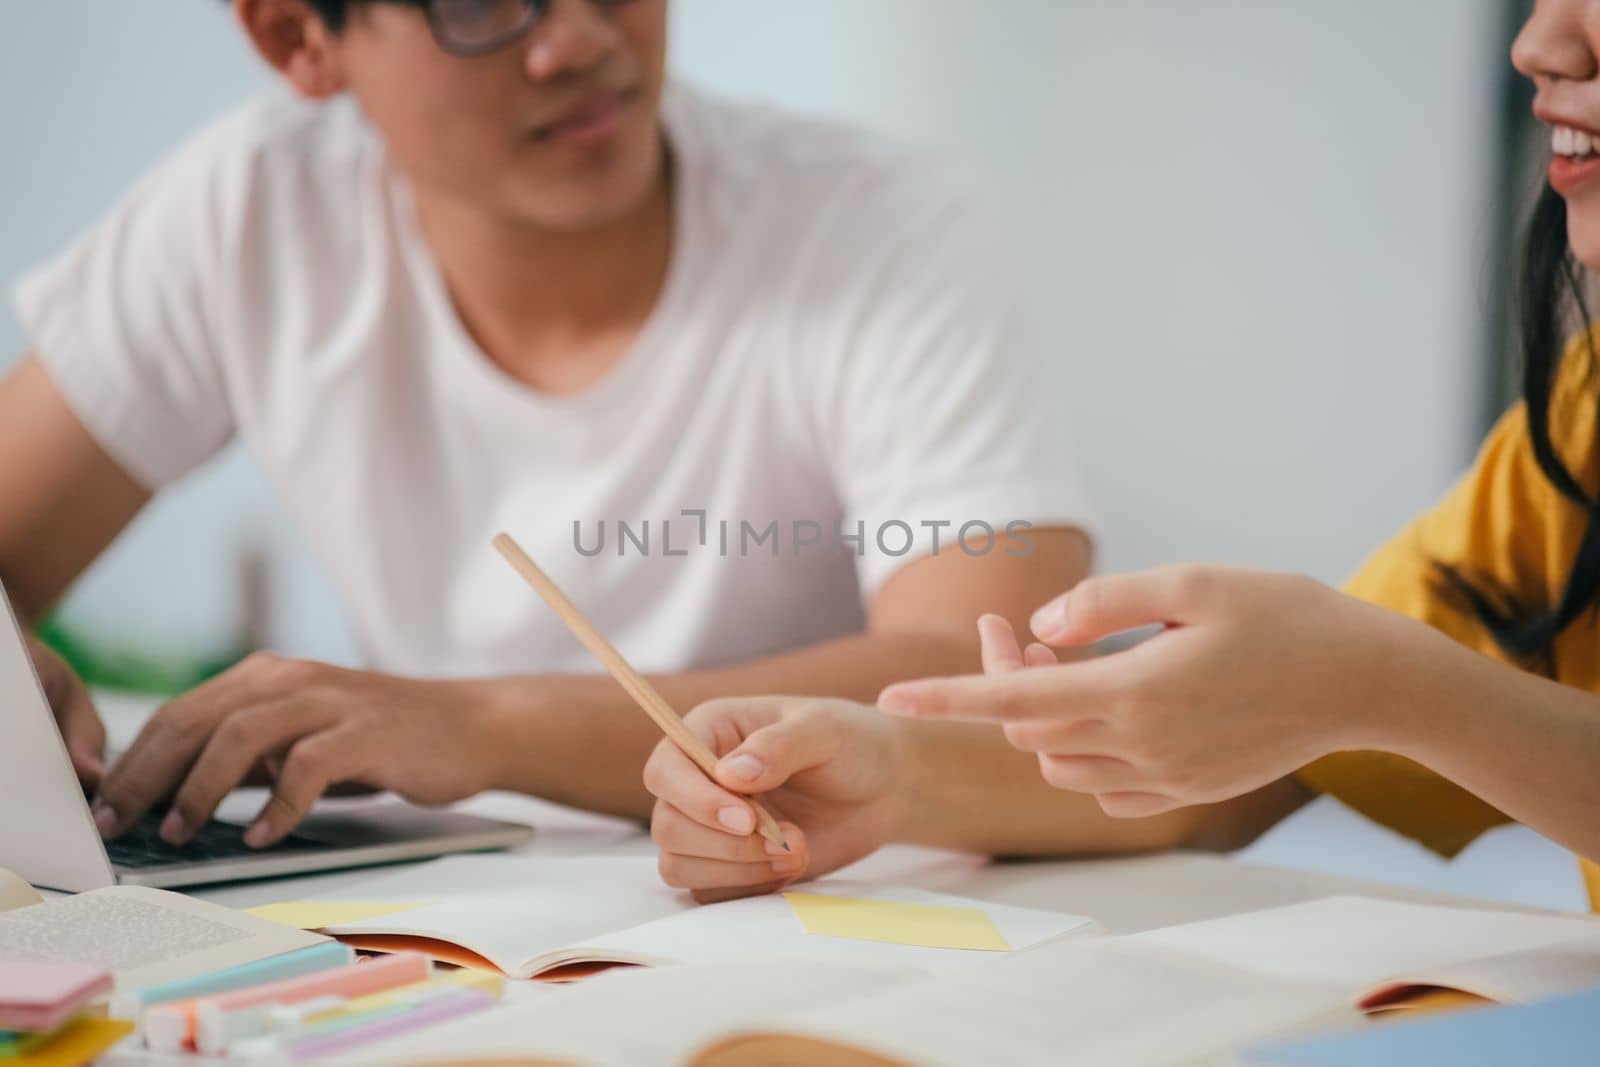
[{"x": 1585, "y": 242}]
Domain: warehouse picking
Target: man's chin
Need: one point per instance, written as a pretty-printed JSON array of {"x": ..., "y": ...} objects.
[
  {"x": 593, "y": 189},
  {"x": 582, "y": 209}
]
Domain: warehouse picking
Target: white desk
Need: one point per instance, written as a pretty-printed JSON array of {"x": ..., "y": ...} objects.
[{"x": 1125, "y": 895}]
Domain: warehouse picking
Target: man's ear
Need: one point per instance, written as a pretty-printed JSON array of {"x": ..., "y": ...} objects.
[{"x": 293, "y": 39}]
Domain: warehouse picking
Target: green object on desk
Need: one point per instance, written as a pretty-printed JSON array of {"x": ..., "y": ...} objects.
[
  {"x": 130, "y": 669},
  {"x": 13, "y": 1044}
]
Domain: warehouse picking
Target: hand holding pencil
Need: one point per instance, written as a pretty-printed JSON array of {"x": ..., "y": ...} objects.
[
  {"x": 636, "y": 685},
  {"x": 837, "y": 769},
  {"x": 839, "y": 772}
]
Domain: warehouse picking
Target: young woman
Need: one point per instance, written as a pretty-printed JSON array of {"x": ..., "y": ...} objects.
[{"x": 1455, "y": 685}]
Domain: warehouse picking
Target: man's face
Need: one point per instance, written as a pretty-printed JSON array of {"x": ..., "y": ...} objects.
[{"x": 558, "y": 130}]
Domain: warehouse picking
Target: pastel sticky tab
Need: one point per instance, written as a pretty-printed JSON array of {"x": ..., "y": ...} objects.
[
  {"x": 896, "y": 923},
  {"x": 41, "y": 995}
]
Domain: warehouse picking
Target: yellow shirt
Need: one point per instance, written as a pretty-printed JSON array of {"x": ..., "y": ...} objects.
[{"x": 1503, "y": 521}]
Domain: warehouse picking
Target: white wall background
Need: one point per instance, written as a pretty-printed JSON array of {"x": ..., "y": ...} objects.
[
  {"x": 1258, "y": 227},
  {"x": 95, "y": 95},
  {"x": 1258, "y": 234}
]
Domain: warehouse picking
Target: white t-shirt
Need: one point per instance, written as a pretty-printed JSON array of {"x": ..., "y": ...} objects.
[{"x": 836, "y": 345}]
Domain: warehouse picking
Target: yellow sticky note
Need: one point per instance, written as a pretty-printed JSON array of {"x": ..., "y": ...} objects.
[
  {"x": 77, "y": 1044},
  {"x": 318, "y": 914},
  {"x": 927, "y": 925}
]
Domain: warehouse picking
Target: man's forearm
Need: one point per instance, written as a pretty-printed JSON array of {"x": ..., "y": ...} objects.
[
  {"x": 581, "y": 740},
  {"x": 970, "y": 790}
]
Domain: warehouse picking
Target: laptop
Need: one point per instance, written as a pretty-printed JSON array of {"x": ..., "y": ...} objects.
[{"x": 48, "y": 837}]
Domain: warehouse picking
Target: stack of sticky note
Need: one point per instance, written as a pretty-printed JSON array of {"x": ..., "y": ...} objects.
[
  {"x": 44, "y": 1013},
  {"x": 302, "y": 1005}
]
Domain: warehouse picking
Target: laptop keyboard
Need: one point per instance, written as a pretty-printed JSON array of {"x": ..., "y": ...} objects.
[{"x": 142, "y": 846}]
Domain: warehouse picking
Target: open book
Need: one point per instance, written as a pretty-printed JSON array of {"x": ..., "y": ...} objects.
[
  {"x": 144, "y": 936},
  {"x": 1079, "y": 1001},
  {"x": 1181, "y": 995},
  {"x": 1518, "y": 977},
  {"x": 1379, "y": 953},
  {"x": 563, "y": 918}
]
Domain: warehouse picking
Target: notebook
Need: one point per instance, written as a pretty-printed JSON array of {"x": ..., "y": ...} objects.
[
  {"x": 144, "y": 936},
  {"x": 1562, "y": 1031},
  {"x": 1510, "y": 978},
  {"x": 1379, "y": 953},
  {"x": 1186, "y": 994},
  {"x": 562, "y": 918}
]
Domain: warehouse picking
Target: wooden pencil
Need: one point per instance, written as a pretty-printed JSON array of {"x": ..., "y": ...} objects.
[{"x": 635, "y": 684}]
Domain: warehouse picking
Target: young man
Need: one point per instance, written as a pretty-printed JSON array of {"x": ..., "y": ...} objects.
[{"x": 482, "y": 269}]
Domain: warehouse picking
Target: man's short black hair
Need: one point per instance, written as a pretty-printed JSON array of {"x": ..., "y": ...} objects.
[
  {"x": 335, "y": 12},
  {"x": 332, "y": 11}
]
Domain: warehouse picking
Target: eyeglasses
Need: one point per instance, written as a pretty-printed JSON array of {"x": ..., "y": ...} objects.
[{"x": 478, "y": 27}]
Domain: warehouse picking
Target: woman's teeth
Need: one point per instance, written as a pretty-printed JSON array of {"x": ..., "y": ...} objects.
[{"x": 1566, "y": 141}]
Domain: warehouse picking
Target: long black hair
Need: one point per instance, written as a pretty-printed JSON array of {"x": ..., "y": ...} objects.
[{"x": 1549, "y": 299}]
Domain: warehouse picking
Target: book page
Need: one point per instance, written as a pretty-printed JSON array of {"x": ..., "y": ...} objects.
[
  {"x": 1094, "y": 1002},
  {"x": 145, "y": 936},
  {"x": 513, "y": 910},
  {"x": 526, "y": 915},
  {"x": 1509, "y": 978},
  {"x": 768, "y": 928},
  {"x": 641, "y": 1018},
  {"x": 1356, "y": 942}
]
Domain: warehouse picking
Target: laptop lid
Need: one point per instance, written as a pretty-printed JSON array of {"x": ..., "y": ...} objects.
[{"x": 47, "y": 834}]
